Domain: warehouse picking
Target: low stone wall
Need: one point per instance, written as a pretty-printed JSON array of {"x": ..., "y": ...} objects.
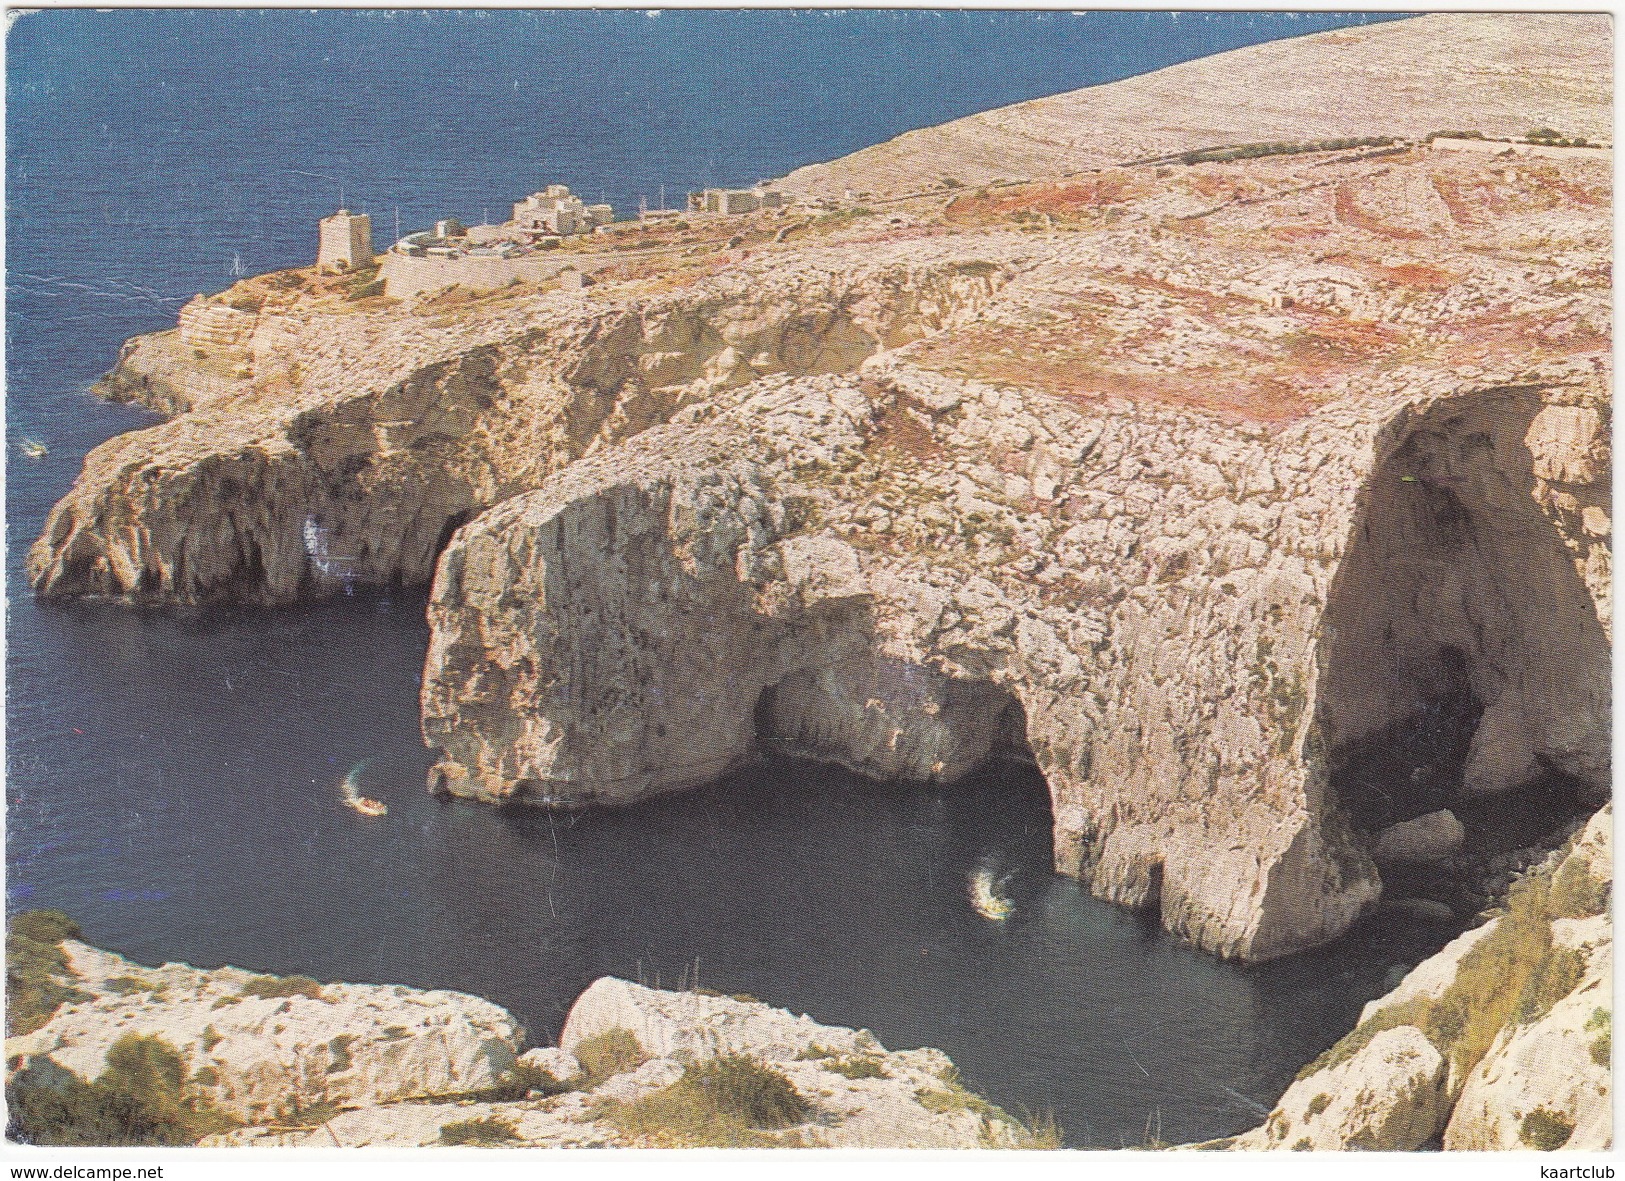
[{"x": 405, "y": 276}]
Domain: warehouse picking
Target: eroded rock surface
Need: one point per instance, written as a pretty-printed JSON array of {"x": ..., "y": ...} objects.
[
  {"x": 1500, "y": 1041},
  {"x": 256, "y": 1057}
]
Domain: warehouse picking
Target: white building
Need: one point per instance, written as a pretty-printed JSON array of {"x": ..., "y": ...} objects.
[
  {"x": 555, "y": 211},
  {"x": 344, "y": 243}
]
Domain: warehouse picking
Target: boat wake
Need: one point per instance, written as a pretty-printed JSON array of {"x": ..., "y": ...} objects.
[{"x": 986, "y": 896}]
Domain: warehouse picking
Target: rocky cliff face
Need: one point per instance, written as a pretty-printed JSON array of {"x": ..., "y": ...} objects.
[
  {"x": 287, "y": 479},
  {"x": 872, "y": 594},
  {"x": 1503, "y": 1040},
  {"x": 1262, "y": 503},
  {"x": 257, "y": 1057}
]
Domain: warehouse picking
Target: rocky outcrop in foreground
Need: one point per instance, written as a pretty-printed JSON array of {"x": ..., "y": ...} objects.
[
  {"x": 294, "y": 1063},
  {"x": 1503, "y": 1040}
]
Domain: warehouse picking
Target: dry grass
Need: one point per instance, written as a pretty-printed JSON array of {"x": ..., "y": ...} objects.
[
  {"x": 612, "y": 1052},
  {"x": 1512, "y": 976},
  {"x": 727, "y": 1102}
]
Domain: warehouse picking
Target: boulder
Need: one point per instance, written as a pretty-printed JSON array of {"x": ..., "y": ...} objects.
[
  {"x": 1433, "y": 837},
  {"x": 1387, "y": 1097}
]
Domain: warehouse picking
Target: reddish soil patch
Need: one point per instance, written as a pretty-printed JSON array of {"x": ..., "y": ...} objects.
[{"x": 1350, "y": 214}]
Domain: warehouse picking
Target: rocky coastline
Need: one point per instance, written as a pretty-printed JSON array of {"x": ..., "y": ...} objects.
[
  {"x": 1261, "y": 501},
  {"x": 264, "y": 1061}
]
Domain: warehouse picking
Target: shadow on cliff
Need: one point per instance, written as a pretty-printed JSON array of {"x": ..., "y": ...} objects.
[{"x": 1463, "y": 663}]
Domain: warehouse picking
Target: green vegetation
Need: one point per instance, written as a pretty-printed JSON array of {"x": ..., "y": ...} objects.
[
  {"x": 275, "y": 986},
  {"x": 35, "y": 963},
  {"x": 139, "y": 1099},
  {"x": 1512, "y": 976},
  {"x": 856, "y": 1068},
  {"x": 1317, "y": 1105},
  {"x": 310, "y": 1113},
  {"x": 1277, "y": 148},
  {"x": 1601, "y": 1022},
  {"x": 612, "y": 1052},
  {"x": 479, "y": 1133},
  {"x": 1545, "y": 1130},
  {"x": 726, "y": 1102},
  {"x": 129, "y": 985}
]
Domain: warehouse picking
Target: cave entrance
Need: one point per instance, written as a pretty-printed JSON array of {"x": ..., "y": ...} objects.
[
  {"x": 891, "y": 720},
  {"x": 1463, "y": 666}
]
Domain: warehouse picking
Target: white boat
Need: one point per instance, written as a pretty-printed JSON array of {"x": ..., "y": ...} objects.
[
  {"x": 33, "y": 448},
  {"x": 985, "y": 898},
  {"x": 357, "y": 802}
]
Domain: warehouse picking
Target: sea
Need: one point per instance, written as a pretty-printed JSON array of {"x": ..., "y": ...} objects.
[{"x": 173, "y": 777}]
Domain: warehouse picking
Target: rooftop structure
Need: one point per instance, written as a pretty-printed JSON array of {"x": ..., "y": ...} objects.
[
  {"x": 344, "y": 243},
  {"x": 555, "y": 210},
  {"x": 735, "y": 200}
]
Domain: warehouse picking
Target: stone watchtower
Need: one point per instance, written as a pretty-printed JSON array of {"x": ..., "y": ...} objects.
[{"x": 345, "y": 243}]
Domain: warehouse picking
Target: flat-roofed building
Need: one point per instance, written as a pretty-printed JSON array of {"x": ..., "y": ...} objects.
[
  {"x": 344, "y": 243},
  {"x": 556, "y": 211}
]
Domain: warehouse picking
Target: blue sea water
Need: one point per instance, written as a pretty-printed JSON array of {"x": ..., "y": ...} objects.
[{"x": 173, "y": 776}]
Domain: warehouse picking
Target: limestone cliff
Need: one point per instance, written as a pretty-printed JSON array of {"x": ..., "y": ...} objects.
[
  {"x": 347, "y": 441},
  {"x": 1263, "y": 503}
]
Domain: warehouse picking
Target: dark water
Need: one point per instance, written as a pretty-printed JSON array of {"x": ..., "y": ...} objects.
[{"x": 172, "y": 777}]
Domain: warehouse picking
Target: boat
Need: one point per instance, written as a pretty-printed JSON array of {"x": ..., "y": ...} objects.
[
  {"x": 33, "y": 448},
  {"x": 985, "y": 898},
  {"x": 354, "y": 800}
]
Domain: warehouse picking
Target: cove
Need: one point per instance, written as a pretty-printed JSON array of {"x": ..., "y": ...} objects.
[{"x": 185, "y": 805}]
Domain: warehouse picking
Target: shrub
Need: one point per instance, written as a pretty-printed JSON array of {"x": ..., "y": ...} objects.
[
  {"x": 35, "y": 963},
  {"x": 1317, "y": 1105},
  {"x": 612, "y": 1052},
  {"x": 1601, "y": 1022},
  {"x": 1545, "y": 1130},
  {"x": 856, "y": 1068},
  {"x": 43, "y": 926},
  {"x": 275, "y": 986},
  {"x": 1575, "y": 893},
  {"x": 480, "y": 1133},
  {"x": 139, "y": 1099},
  {"x": 742, "y": 1086},
  {"x": 339, "y": 1048}
]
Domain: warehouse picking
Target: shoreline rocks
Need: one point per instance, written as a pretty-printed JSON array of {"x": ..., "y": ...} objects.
[
  {"x": 1502, "y": 1040},
  {"x": 301, "y": 1064}
]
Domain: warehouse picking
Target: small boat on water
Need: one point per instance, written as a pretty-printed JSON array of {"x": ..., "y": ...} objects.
[
  {"x": 367, "y": 806},
  {"x": 354, "y": 800},
  {"x": 985, "y": 898},
  {"x": 33, "y": 448}
]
